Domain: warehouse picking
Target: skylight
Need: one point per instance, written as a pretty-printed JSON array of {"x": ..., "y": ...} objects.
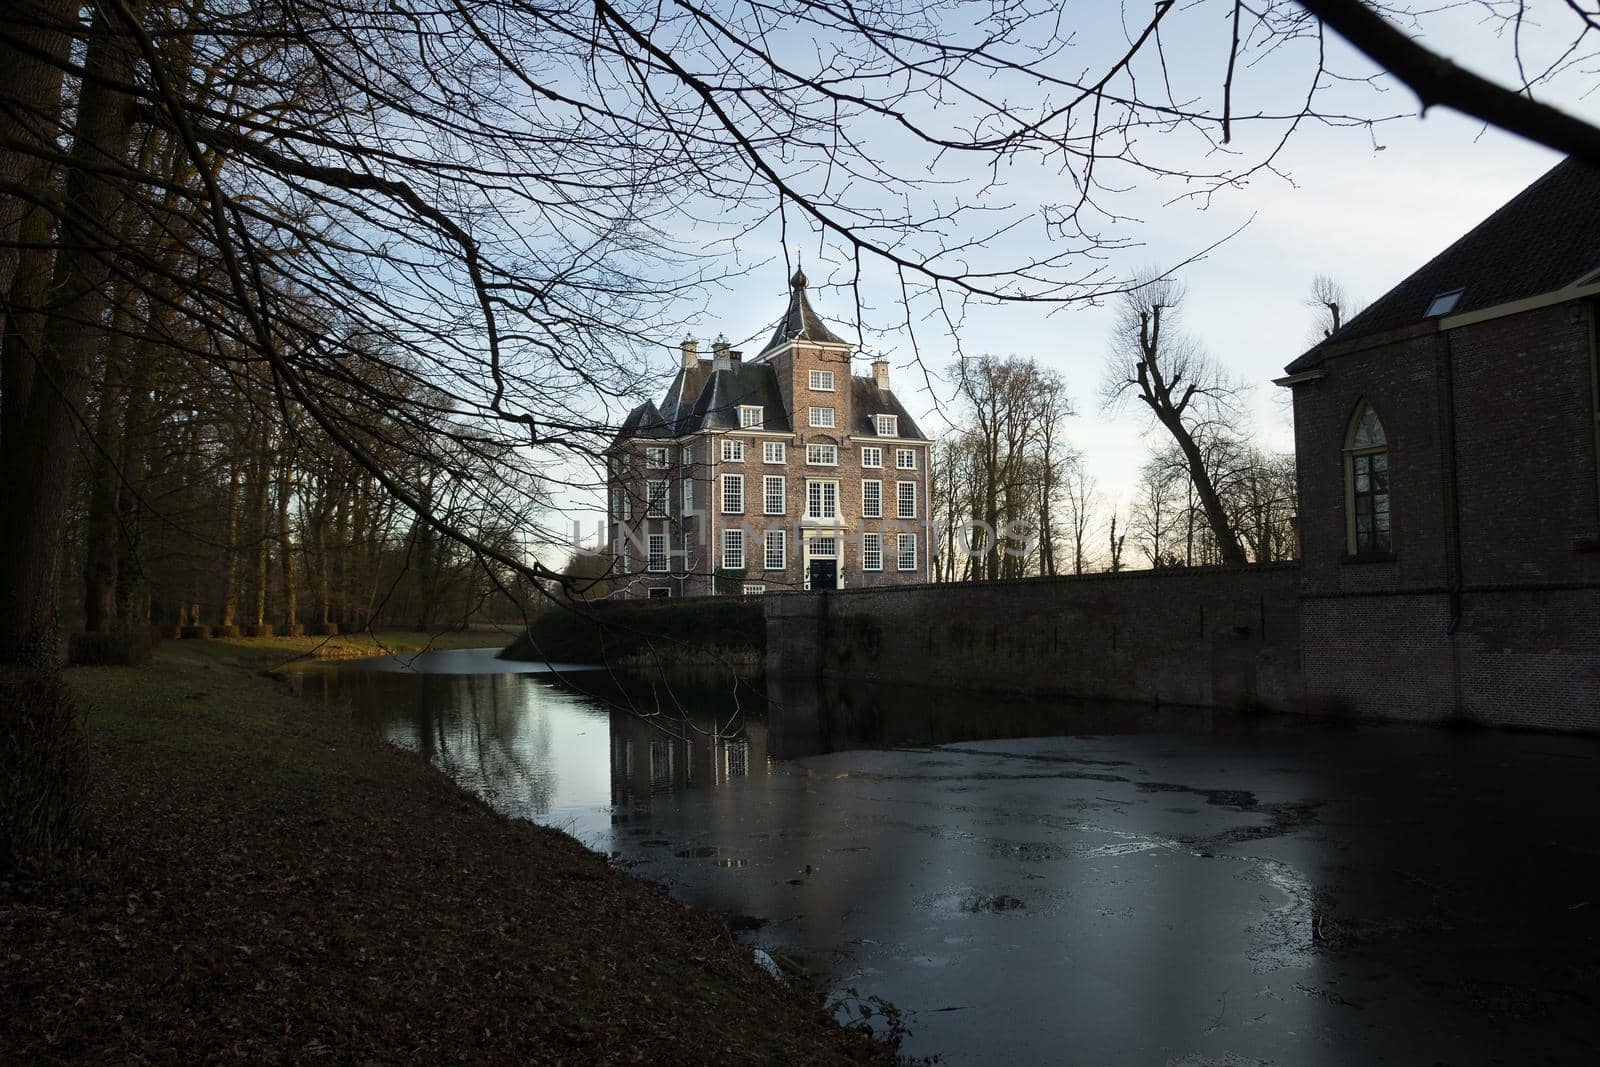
[{"x": 1444, "y": 303}]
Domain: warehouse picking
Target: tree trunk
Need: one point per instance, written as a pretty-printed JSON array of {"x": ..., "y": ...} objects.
[
  {"x": 101, "y": 539},
  {"x": 291, "y": 607},
  {"x": 36, "y": 461},
  {"x": 263, "y": 533},
  {"x": 322, "y": 559},
  {"x": 1210, "y": 502},
  {"x": 230, "y": 555},
  {"x": 425, "y": 564},
  {"x": 133, "y": 595},
  {"x": 30, "y": 106}
]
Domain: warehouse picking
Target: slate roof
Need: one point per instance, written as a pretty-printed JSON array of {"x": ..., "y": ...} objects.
[
  {"x": 643, "y": 421},
  {"x": 703, "y": 398},
  {"x": 867, "y": 400},
  {"x": 800, "y": 321},
  {"x": 1545, "y": 238}
]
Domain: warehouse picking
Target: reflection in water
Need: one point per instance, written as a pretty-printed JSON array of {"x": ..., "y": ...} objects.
[
  {"x": 1040, "y": 881},
  {"x": 567, "y": 753}
]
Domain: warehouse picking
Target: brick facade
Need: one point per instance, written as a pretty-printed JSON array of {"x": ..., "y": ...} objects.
[
  {"x": 1488, "y": 608},
  {"x": 702, "y": 427}
]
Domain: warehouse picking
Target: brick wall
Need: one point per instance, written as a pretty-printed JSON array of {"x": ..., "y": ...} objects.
[
  {"x": 1505, "y": 628},
  {"x": 1213, "y": 636}
]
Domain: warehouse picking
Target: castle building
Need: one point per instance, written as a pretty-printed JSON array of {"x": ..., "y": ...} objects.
[{"x": 784, "y": 472}]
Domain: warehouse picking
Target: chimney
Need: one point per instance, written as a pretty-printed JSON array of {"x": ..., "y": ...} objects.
[
  {"x": 736, "y": 356},
  {"x": 720, "y": 358},
  {"x": 880, "y": 373},
  {"x": 691, "y": 353}
]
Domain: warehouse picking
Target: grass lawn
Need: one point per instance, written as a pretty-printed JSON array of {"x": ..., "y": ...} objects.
[
  {"x": 260, "y": 652},
  {"x": 267, "y": 884}
]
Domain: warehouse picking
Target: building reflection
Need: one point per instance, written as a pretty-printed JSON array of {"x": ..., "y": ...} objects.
[{"x": 655, "y": 754}]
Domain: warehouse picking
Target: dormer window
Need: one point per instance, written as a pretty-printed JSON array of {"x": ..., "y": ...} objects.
[
  {"x": 751, "y": 417},
  {"x": 821, "y": 381},
  {"x": 888, "y": 425}
]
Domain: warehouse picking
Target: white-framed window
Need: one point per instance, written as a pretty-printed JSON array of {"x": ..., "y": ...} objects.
[
  {"x": 733, "y": 494},
  {"x": 753, "y": 589},
  {"x": 824, "y": 547},
  {"x": 751, "y": 417},
  {"x": 658, "y": 552},
  {"x": 905, "y": 459},
  {"x": 777, "y": 550},
  {"x": 688, "y": 496},
  {"x": 733, "y": 550},
  {"x": 659, "y": 592},
  {"x": 872, "y": 551},
  {"x": 656, "y": 498},
  {"x": 774, "y": 452},
  {"x": 627, "y": 506},
  {"x": 655, "y": 456},
  {"x": 822, "y": 455},
  {"x": 822, "y": 381},
  {"x": 871, "y": 456},
  {"x": 871, "y": 499},
  {"x": 887, "y": 425},
  {"x": 905, "y": 500},
  {"x": 732, "y": 450},
  {"x": 616, "y": 504},
  {"x": 773, "y": 491},
  {"x": 688, "y": 550},
  {"x": 908, "y": 552},
  {"x": 686, "y": 455},
  {"x": 822, "y": 417},
  {"x": 822, "y": 500}
]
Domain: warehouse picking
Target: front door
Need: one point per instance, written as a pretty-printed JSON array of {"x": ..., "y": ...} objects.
[{"x": 824, "y": 574}]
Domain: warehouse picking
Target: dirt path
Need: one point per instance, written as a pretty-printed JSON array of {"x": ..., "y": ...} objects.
[{"x": 272, "y": 885}]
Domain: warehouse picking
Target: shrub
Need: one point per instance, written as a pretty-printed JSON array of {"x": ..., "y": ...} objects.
[
  {"x": 294, "y": 630},
  {"x": 225, "y": 631},
  {"x": 189, "y": 633},
  {"x": 263, "y": 630},
  {"x": 43, "y": 771}
]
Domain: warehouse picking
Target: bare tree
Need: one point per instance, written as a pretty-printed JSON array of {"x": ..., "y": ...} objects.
[
  {"x": 1082, "y": 499},
  {"x": 1184, "y": 390},
  {"x": 1332, "y": 307},
  {"x": 1116, "y": 543},
  {"x": 455, "y": 242}
]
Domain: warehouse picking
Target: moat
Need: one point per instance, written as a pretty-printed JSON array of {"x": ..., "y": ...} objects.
[{"x": 1046, "y": 882}]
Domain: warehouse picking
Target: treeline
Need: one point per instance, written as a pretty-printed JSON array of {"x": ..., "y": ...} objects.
[
  {"x": 1012, "y": 498},
  {"x": 194, "y": 511}
]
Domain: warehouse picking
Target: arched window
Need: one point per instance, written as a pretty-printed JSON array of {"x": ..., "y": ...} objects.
[{"x": 1366, "y": 484}]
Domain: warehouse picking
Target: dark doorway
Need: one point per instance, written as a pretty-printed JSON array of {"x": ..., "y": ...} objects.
[{"x": 824, "y": 574}]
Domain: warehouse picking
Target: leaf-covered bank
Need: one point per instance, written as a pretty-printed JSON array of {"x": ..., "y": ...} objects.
[{"x": 270, "y": 884}]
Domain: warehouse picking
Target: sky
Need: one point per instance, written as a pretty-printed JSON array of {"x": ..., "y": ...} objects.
[{"x": 1364, "y": 208}]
